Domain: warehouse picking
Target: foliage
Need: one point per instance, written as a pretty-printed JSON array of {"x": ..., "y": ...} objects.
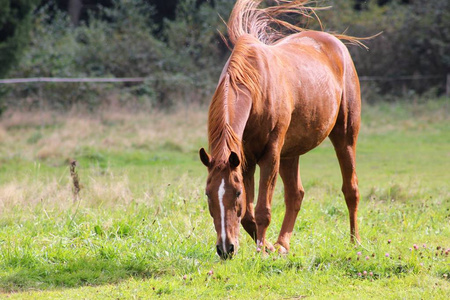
[
  {"x": 118, "y": 42},
  {"x": 122, "y": 47},
  {"x": 15, "y": 24},
  {"x": 198, "y": 51},
  {"x": 182, "y": 57},
  {"x": 52, "y": 53},
  {"x": 181, "y": 66},
  {"x": 414, "y": 41}
]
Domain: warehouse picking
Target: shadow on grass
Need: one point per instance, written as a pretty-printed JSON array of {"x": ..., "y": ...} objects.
[{"x": 76, "y": 273}]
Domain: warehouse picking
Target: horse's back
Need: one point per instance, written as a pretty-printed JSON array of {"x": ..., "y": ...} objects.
[
  {"x": 321, "y": 72},
  {"x": 322, "y": 47},
  {"x": 304, "y": 82},
  {"x": 350, "y": 103}
]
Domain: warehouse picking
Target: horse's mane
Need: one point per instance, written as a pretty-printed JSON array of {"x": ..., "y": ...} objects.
[
  {"x": 221, "y": 137},
  {"x": 240, "y": 74}
]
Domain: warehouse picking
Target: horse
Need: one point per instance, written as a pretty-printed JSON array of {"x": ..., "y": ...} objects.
[{"x": 279, "y": 96}]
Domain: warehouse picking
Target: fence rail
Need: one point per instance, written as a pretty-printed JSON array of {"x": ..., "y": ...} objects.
[
  {"x": 142, "y": 79},
  {"x": 75, "y": 80},
  {"x": 398, "y": 78}
]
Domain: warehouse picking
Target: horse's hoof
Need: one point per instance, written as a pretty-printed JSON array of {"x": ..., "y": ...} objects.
[
  {"x": 281, "y": 249},
  {"x": 266, "y": 246},
  {"x": 270, "y": 247}
]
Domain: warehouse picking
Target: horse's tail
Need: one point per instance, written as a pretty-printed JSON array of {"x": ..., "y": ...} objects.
[{"x": 264, "y": 23}]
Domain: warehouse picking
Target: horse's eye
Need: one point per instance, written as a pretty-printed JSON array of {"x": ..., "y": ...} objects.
[{"x": 238, "y": 193}]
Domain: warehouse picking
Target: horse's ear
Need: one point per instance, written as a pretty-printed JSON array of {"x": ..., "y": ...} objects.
[
  {"x": 234, "y": 160},
  {"x": 204, "y": 157}
]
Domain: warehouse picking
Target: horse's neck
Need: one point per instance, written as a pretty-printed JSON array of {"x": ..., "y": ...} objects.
[
  {"x": 226, "y": 135},
  {"x": 239, "y": 108}
]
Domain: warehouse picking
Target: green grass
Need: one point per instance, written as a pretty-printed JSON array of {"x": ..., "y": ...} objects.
[{"x": 142, "y": 229}]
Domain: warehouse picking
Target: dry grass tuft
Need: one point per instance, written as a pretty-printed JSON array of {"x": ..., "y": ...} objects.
[
  {"x": 3, "y": 135},
  {"x": 58, "y": 138},
  {"x": 108, "y": 191},
  {"x": 20, "y": 119},
  {"x": 28, "y": 193}
]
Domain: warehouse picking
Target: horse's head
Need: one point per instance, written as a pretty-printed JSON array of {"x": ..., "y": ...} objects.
[{"x": 226, "y": 200}]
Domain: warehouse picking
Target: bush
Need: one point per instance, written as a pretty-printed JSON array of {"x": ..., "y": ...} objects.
[
  {"x": 180, "y": 67},
  {"x": 199, "y": 54},
  {"x": 15, "y": 24},
  {"x": 115, "y": 43},
  {"x": 415, "y": 41},
  {"x": 182, "y": 60}
]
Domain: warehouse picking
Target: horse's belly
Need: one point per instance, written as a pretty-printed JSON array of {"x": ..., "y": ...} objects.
[
  {"x": 308, "y": 130},
  {"x": 298, "y": 145}
]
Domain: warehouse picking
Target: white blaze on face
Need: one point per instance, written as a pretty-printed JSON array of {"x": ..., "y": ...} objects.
[{"x": 222, "y": 212}]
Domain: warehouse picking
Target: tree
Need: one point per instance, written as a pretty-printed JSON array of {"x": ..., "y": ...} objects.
[{"x": 15, "y": 25}]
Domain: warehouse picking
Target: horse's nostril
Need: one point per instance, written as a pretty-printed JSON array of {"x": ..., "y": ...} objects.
[
  {"x": 225, "y": 255},
  {"x": 219, "y": 250},
  {"x": 231, "y": 249}
]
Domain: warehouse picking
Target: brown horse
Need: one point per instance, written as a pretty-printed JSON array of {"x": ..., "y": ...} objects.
[{"x": 277, "y": 98}]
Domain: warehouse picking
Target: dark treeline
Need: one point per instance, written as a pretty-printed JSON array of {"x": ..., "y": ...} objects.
[{"x": 176, "y": 45}]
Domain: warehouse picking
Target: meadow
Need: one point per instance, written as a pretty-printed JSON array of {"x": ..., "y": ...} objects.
[{"x": 139, "y": 227}]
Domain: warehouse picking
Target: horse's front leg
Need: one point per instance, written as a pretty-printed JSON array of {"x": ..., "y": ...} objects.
[
  {"x": 269, "y": 165},
  {"x": 248, "y": 220}
]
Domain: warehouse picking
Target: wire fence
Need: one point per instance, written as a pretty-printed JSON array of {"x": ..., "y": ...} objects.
[
  {"x": 143, "y": 79},
  {"x": 398, "y": 78},
  {"x": 74, "y": 80}
]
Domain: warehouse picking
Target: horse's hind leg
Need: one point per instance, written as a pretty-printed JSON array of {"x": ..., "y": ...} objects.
[
  {"x": 346, "y": 156},
  {"x": 293, "y": 196},
  {"x": 344, "y": 136}
]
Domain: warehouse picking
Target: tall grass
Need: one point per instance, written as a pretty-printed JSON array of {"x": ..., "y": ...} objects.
[{"x": 141, "y": 227}]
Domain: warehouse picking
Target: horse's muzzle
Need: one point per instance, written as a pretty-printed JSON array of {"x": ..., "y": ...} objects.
[{"x": 225, "y": 254}]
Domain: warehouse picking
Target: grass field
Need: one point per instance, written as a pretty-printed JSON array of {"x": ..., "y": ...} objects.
[{"x": 141, "y": 228}]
